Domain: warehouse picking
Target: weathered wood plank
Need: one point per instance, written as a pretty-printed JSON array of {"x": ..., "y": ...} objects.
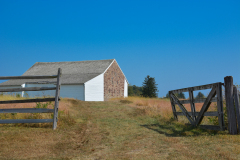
[
  {"x": 199, "y": 100},
  {"x": 182, "y": 108},
  {"x": 27, "y": 77},
  {"x": 28, "y": 100},
  {"x": 202, "y": 87},
  {"x": 42, "y": 82},
  {"x": 27, "y": 89},
  {"x": 205, "y": 106},
  {"x": 55, "y": 117},
  {"x": 237, "y": 106},
  {"x": 5, "y": 121},
  {"x": 220, "y": 106},
  {"x": 196, "y": 113},
  {"x": 191, "y": 98},
  {"x": 27, "y": 110},
  {"x": 173, "y": 106},
  {"x": 232, "y": 124}
]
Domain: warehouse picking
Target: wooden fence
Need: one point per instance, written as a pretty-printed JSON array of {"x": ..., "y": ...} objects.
[
  {"x": 33, "y": 110},
  {"x": 195, "y": 118}
]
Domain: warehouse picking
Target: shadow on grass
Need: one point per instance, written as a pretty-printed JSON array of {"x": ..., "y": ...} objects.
[{"x": 176, "y": 130}]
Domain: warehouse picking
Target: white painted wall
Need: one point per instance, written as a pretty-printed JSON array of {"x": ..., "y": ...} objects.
[
  {"x": 94, "y": 89},
  {"x": 125, "y": 88},
  {"x": 66, "y": 91}
]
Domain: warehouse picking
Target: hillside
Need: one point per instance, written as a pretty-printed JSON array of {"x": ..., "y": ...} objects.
[{"x": 132, "y": 128}]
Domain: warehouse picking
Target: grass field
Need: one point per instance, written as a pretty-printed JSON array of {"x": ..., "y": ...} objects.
[{"x": 131, "y": 128}]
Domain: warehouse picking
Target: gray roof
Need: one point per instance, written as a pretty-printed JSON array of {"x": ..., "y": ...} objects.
[{"x": 77, "y": 72}]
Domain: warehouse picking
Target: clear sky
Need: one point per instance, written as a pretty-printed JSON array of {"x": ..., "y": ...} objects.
[{"x": 181, "y": 43}]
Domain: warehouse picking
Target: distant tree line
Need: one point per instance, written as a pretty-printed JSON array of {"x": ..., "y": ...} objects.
[
  {"x": 179, "y": 95},
  {"x": 134, "y": 90},
  {"x": 182, "y": 96}
]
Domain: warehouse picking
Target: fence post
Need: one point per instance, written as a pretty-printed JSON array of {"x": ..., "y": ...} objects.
[
  {"x": 173, "y": 106},
  {"x": 232, "y": 124},
  {"x": 220, "y": 106},
  {"x": 55, "y": 117},
  {"x": 237, "y": 106},
  {"x": 191, "y": 98}
]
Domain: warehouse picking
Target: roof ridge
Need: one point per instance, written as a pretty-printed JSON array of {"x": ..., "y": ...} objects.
[{"x": 77, "y": 61}]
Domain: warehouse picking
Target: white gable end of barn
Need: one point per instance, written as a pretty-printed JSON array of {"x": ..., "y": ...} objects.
[
  {"x": 94, "y": 89},
  {"x": 125, "y": 88}
]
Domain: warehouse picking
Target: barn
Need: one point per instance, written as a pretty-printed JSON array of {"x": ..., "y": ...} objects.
[{"x": 98, "y": 80}]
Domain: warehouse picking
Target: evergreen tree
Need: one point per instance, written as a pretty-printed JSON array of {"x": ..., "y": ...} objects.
[
  {"x": 149, "y": 88},
  {"x": 181, "y": 95},
  {"x": 200, "y": 95}
]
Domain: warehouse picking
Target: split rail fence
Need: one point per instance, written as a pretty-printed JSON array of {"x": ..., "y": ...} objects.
[
  {"x": 33, "y": 110},
  {"x": 215, "y": 95}
]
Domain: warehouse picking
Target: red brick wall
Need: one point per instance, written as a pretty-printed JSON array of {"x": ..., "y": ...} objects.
[{"x": 113, "y": 82}]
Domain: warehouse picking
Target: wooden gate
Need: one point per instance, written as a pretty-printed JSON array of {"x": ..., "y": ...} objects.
[
  {"x": 33, "y": 110},
  {"x": 195, "y": 118}
]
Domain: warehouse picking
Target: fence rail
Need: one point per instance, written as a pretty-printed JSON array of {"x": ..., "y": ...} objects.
[
  {"x": 202, "y": 87},
  {"x": 28, "y": 89},
  {"x": 200, "y": 100},
  {"x": 28, "y": 100},
  {"x": 33, "y": 110}
]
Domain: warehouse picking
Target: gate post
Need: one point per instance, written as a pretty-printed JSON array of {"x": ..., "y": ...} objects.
[
  {"x": 237, "y": 106},
  {"x": 191, "y": 99},
  {"x": 57, "y": 94},
  {"x": 232, "y": 124},
  {"x": 173, "y": 106},
  {"x": 220, "y": 106}
]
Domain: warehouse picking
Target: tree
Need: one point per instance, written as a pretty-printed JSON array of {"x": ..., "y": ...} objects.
[
  {"x": 181, "y": 95},
  {"x": 167, "y": 95},
  {"x": 149, "y": 88},
  {"x": 130, "y": 90},
  {"x": 134, "y": 90},
  {"x": 200, "y": 95}
]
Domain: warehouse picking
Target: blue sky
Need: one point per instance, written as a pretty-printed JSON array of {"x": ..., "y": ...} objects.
[{"x": 180, "y": 43}]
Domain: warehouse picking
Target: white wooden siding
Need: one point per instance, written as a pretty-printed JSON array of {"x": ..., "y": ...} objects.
[
  {"x": 66, "y": 91},
  {"x": 125, "y": 88},
  {"x": 94, "y": 89}
]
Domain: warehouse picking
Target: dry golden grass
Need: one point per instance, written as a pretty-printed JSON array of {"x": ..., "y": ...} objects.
[
  {"x": 130, "y": 128},
  {"x": 152, "y": 106}
]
